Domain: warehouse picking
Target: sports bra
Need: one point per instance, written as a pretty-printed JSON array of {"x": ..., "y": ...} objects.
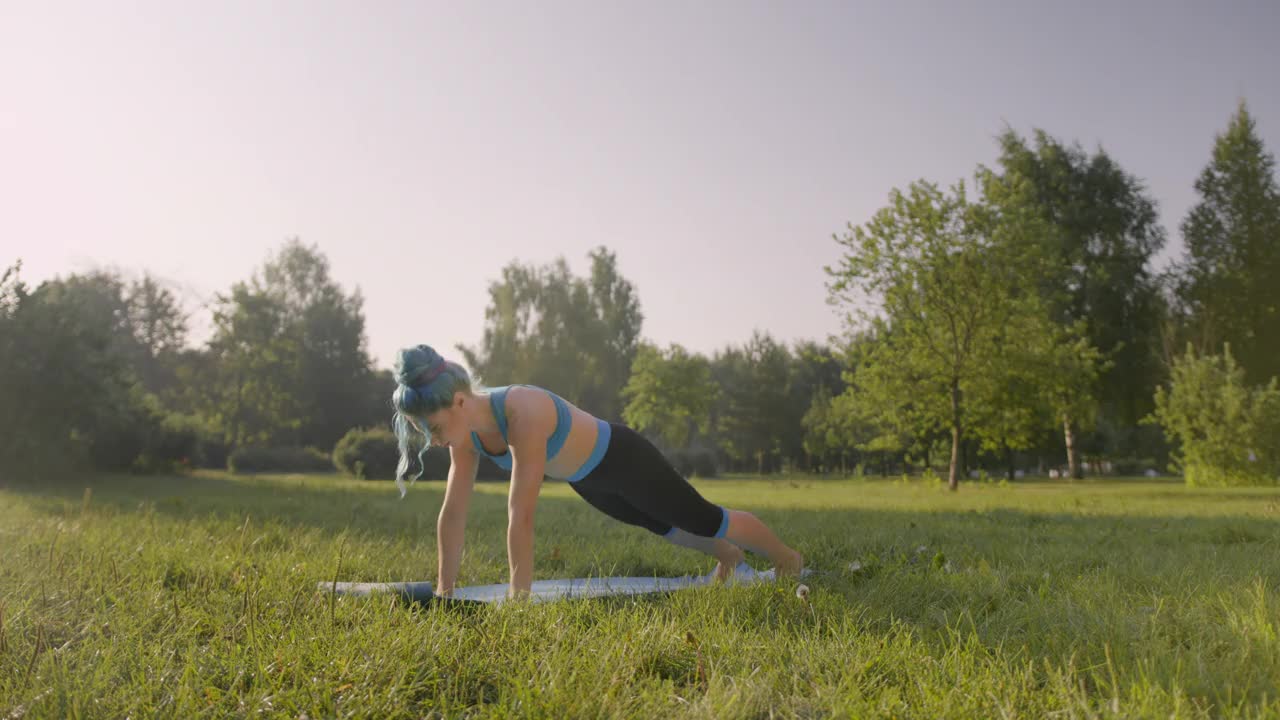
[
  {"x": 498, "y": 401},
  {"x": 564, "y": 421}
]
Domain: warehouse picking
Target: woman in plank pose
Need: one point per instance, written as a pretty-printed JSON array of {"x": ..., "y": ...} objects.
[{"x": 533, "y": 432}]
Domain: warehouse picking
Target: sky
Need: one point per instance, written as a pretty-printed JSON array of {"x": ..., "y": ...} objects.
[{"x": 715, "y": 147}]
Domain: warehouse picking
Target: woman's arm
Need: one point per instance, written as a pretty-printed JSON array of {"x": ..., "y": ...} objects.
[
  {"x": 527, "y": 438},
  {"x": 453, "y": 517}
]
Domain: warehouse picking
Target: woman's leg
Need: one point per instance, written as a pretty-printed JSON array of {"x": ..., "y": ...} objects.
[
  {"x": 653, "y": 486},
  {"x": 727, "y": 555},
  {"x": 746, "y": 530}
]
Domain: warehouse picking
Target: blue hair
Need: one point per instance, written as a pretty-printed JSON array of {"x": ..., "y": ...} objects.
[{"x": 425, "y": 383}]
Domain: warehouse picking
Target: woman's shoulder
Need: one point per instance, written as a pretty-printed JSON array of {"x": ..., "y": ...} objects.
[{"x": 520, "y": 393}]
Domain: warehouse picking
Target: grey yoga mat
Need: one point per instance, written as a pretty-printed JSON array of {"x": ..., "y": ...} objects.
[{"x": 546, "y": 590}]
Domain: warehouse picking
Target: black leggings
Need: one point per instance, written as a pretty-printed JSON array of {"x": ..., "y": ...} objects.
[{"x": 635, "y": 483}]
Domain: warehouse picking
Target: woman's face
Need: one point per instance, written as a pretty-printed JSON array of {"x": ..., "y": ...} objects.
[{"x": 448, "y": 426}]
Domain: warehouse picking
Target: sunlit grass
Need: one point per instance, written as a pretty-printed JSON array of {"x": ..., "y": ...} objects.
[{"x": 195, "y": 596}]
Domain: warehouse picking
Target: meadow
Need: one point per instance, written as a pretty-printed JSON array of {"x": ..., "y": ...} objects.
[{"x": 195, "y": 596}]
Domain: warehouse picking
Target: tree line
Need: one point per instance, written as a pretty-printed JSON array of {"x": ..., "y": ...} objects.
[{"x": 1010, "y": 321}]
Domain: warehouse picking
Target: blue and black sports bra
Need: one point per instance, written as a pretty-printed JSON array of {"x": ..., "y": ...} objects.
[{"x": 564, "y": 422}]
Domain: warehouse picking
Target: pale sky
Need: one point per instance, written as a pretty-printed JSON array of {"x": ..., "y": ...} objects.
[{"x": 715, "y": 146}]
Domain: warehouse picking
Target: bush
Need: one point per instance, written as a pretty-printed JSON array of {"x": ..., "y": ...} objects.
[
  {"x": 257, "y": 459},
  {"x": 212, "y": 451},
  {"x": 143, "y": 438},
  {"x": 374, "y": 453},
  {"x": 368, "y": 454},
  {"x": 207, "y": 447},
  {"x": 1229, "y": 433},
  {"x": 436, "y": 465}
]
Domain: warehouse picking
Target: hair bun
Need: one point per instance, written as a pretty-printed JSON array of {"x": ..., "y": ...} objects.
[{"x": 413, "y": 362}]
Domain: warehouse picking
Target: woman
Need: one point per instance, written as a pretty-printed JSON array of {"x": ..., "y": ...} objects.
[{"x": 533, "y": 432}]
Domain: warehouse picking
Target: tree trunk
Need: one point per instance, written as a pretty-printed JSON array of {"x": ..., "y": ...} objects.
[
  {"x": 953, "y": 481},
  {"x": 1009, "y": 456},
  {"x": 1073, "y": 469}
]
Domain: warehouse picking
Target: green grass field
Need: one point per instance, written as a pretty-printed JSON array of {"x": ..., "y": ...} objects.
[{"x": 195, "y": 597}]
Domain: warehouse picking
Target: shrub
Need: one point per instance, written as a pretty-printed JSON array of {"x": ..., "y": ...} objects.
[
  {"x": 212, "y": 451},
  {"x": 1229, "y": 433},
  {"x": 258, "y": 459},
  {"x": 373, "y": 454},
  {"x": 143, "y": 438},
  {"x": 207, "y": 446},
  {"x": 368, "y": 454}
]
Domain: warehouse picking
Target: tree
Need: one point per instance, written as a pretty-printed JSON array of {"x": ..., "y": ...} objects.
[
  {"x": 669, "y": 394},
  {"x": 1229, "y": 282},
  {"x": 617, "y": 308},
  {"x": 334, "y": 380},
  {"x": 1043, "y": 374},
  {"x": 814, "y": 368},
  {"x": 65, "y": 383},
  {"x": 950, "y": 276},
  {"x": 158, "y": 326},
  {"x": 890, "y": 407},
  {"x": 1229, "y": 433},
  {"x": 820, "y": 439},
  {"x": 255, "y": 396},
  {"x": 1100, "y": 232},
  {"x": 290, "y": 350},
  {"x": 753, "y": 400},
  {"x": 577, "y": 336}
]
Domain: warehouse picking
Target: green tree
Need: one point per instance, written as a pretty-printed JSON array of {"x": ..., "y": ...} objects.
[
  {"x": 617, "y": 310},
  {"x": 334, "y": 370},
  {"x": 159, "y": 326},
  {"x": 1010, "y": 416},
  {"x": 290, "y": 352},
  {"x": 576, "y": 336},
  {"x": 838, "y": 428},
  {"x": 1229, "y": 282},
  {"x": 254, "y": 395},
  {"x": 890, "y": 408},
  {"x": 1042, "y": 374},
  {"x": 1228, "y": 433},
  {"x": 753, "y": 400},
  {"x": 820, "y": 438},
  {"x": 950, "y": 277},
  {"x": 669, "y": 394},
  {"x": 64, "y": 384},
  {"x": 1100, "y": 230},
  {"x": 814, "y": 368}
]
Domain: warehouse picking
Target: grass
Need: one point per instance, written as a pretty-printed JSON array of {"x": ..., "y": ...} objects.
[{"x": 195, "y": 597}]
